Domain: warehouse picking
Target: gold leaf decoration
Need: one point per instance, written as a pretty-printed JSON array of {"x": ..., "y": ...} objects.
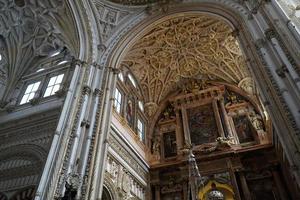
[{"x": 199, "y": 46}]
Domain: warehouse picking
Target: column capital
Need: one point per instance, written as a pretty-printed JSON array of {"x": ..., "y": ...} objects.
[
  {"x": 259, "y": 43},
  {"x": 281, "y": 71},
  {"x": 98, "y": 92},
  {"x": 76, "y": 61},
  {"x": 86, "y": 90},
  {"x": 270, "y": 33}
]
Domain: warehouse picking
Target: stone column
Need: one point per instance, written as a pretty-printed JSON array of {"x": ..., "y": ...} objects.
[
  {"x": 280, "y": 186},
  {"x": 274, "y": 69},
  {"x": 101, "y": 144},
  {"x": 218, "y": 118},
  {"x": 179, "y": 134},
  {"x": 157, "y": 192},
  {"x": 226, "y": 119},
  {"x": 246, "y": 192},
  {"x": 55, "y": 158},
  {"x": 290, "y": 71},
  {"x": 187, "y": 138}
]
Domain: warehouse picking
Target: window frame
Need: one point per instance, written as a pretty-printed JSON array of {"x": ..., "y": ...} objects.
[
  {"x": 24, "y": 88},
  {"x": 47, "y": 81},
  {"x": 44, "y": 77},
  {"x": 143, "y": 139},
  {"x": 132, "y": 80},
  {"x": 120, "y": 103}
]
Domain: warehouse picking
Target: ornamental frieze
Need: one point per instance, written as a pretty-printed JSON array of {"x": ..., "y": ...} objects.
[{"x": 115, "y": 145}]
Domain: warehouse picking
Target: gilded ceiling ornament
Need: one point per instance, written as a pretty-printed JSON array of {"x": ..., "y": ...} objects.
[
  {"x": 185, "y": 47},
  {"x": 247, "y": 85}
]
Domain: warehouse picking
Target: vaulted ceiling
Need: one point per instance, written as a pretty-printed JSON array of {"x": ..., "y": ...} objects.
[
  {"x": 30, "y": 30},
  {"x": 188, "y": 46}
]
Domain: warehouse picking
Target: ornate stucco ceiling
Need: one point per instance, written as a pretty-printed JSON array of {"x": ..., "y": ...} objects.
[
  {"x": 137, "y": 2},
  {"x": 201, "y": 47},
  {"x": 29, "y": 31}
]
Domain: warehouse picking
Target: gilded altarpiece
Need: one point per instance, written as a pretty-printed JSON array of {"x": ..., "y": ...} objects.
[{"x": 202, "y": 124}]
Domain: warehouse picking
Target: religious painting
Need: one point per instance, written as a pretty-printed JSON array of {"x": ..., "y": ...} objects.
[
  {"x": 202, "y": 124},
  {"x": 243, "y": 128},
  {"x": 170, "y": 148},
  {"x": 129, "y": 113}
]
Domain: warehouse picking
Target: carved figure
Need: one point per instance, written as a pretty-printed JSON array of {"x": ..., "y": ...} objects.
[
  {"x": 256, "y": 121},
  {"x": 224, "y": 142},
  {"x": 156, "y": 147}
]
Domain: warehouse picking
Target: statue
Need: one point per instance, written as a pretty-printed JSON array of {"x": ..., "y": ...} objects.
[
  {"x": 256, "y": 121},
  {"x": 224, "y": 142},
  {"x": 156, "y": 147}
]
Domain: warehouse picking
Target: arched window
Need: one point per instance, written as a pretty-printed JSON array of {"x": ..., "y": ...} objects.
[
  {"x": 141, "y": 130},
  {"x": 118, "y": 101},
  {"x": 41, "y": 69},
  {"x": 121, "y": 77},
  {"x": 141, "y": 106},
  {"x": 131, "y": 79}
]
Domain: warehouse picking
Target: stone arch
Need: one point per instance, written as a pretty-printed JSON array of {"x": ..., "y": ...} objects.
[
  {"x": 231, "y": 12},
  {"x": 25, "y": 194},
  {"x": 3, "y": 196},
  {"x": 111, "y": 189},
  {"x": 28, "y": 150},
  {"x": 28, "y": 158},
  {"x": 236, "y": 20},
  {"x": 246, "y": 37}
]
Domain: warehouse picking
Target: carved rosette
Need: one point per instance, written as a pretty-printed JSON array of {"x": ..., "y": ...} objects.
[
  {"x": 150, "y": 108},
  {"x": 247, "y": 85}
]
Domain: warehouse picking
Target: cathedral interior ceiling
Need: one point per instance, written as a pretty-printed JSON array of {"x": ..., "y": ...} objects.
[
  {"x": 137, "y": 2},
  {"x": 30, "y": 30},
  {"x": 196, "y": 46}
]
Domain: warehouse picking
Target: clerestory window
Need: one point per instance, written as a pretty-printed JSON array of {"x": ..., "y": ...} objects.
[
  {"x": 118, "y": 101},
  {"x": 141, "y": 106},
  {"x": 141, "y": 130},
  {"x": 54, "y": 85},
  {"x": 30, "y": 92},
  {"x": 121, "y": 77},
  {"x": 132, "y": 80}
]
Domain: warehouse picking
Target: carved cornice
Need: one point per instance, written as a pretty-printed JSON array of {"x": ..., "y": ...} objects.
[{"x": 114, "y": 144}]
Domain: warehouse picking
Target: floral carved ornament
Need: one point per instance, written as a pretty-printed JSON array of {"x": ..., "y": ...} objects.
[{"x": 198, "y": 46}]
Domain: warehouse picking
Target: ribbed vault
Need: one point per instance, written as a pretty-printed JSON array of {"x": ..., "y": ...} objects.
[
  {"x": 30, "y": 31},
  {"x": 187, "y": 46}
]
